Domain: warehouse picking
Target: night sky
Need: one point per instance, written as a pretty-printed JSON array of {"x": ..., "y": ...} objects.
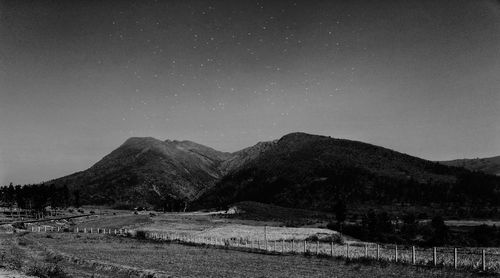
[{"x": 77, "y": 78}]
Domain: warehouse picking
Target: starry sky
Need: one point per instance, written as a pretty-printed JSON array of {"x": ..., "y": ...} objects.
[{"x": 77, "y": 78}]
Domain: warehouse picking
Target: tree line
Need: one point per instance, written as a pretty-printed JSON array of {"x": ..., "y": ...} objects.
[
  {"x": 38, "y": 196},
  {"x": 409, "y": 229}
]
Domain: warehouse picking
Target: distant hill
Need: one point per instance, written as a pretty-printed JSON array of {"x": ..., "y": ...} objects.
[
  {"x": 147, "y": 171},
  {"x": 299, "y": 171},
  {"x": 316, "y": 172},
  {"x": 489, "y": 165}
]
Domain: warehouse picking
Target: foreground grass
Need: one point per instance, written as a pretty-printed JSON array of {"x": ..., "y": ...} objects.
[
  {"x": 191, "y": 261},
  {"x": 19, "y": 254}
]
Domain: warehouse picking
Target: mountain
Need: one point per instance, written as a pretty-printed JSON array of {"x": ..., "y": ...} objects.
[
  {"x": 145, "y": 171},
  {"x": 316, "y": 172},
  {"x": 489, "y": 165},
  {"x": 240, "y": 158},
  {"x": 299, "y": 170}
]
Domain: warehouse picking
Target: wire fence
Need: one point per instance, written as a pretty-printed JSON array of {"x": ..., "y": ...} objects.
[{"x": 483, "y": 259}]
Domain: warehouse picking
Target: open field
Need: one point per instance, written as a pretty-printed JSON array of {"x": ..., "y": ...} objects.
[
  {"x": 84, "y": 255},
  {"x": 205, "y": 228},
  {"x": 191, "y": 261},
  {"x": 229, "y": 228}
]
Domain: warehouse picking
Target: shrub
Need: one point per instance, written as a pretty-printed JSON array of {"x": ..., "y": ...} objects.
[
  {"x": 19, "y": 225},
  {"x": 140, "y": 235},
  {"x": 53, "y": 258},
  {"x": 23, "y": 241},
  {"x": 335, "y": 238},
  {"x": 47, "y": 271}
]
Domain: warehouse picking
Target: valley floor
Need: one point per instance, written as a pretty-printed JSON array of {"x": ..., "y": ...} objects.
[
  {"x": 92, "y": 255},
  {"x": 98, "y": 255}
]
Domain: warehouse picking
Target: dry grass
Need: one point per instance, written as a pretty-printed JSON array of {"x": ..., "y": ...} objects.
[
  {"x": 223, "y": 228},
  {"x": 114, "y": 221},
  {"x": 189, "y": 261},
  {"x": 257, "y": 232},
  {"x": 177, "y": 259}
]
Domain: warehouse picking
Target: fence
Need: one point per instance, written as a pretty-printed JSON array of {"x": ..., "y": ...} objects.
[
  {"x": 23, "y": 214},
  {"x": 487, "y": 259}
]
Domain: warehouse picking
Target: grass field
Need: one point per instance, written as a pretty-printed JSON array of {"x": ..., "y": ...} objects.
[
  {"x": 98, "y": 255},
  {"x": 229, "y": 229},
  {"x": 114, "y": 221},
  {"x": 190, "y": 261}
]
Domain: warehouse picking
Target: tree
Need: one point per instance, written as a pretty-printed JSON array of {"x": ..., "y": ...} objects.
[
  {"x": 440, "y": 231},
  {"x": 76, "y": 200},
  {"x": 410, "y": 226},
  {"x": 340, "y": 213}
]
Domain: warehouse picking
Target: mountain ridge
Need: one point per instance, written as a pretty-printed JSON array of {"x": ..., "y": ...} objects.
[
  {"x": 298, "y": 170},
  {"x": 489, "y": 165}
]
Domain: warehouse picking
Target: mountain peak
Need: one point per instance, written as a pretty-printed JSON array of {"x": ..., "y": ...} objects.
[
  {"x": 296, "y": 136},
  {"x": 140, "y": 141}
]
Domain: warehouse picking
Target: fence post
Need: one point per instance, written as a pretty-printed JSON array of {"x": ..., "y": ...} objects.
[
  {"x": 455, "y": 258},
  {"x": 378, "y": 252},
  {"x": 484, "y": 260},
  {"x": 275, "y": 246},
  {"x": 77, "y": 230},
  {"x": 366, "y": 250},
  {"x": 347, "y": 250},
  {"x": 434, "y": 256},
  {"x": 317, "y": 247},
  {"x": 265, "y": 236},
  {"x": 413, "y": 258},
  {"x": 282, "y": 246},
  {"x": 305, "y": 246},
  {"x": 331, "y": 249}
]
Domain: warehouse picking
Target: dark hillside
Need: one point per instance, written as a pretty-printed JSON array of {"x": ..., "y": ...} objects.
[
  {"x": 147, "y": 171},
  {"x": 298, "y": 171},
  {"x": 489, "y": 165},
  {"x": 316, "y": 172}
]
